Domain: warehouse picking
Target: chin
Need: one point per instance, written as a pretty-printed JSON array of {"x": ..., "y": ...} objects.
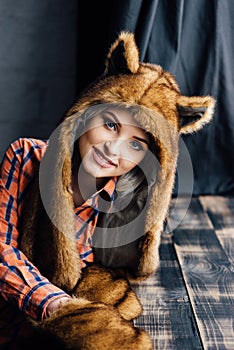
[{"x": 94, "y": 171}]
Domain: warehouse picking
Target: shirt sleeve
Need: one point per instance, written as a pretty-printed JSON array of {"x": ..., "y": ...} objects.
[{"x": 20, "y": 281}]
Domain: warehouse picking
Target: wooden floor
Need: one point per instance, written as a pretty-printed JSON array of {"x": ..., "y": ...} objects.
[{"x": 189, "y": 302}]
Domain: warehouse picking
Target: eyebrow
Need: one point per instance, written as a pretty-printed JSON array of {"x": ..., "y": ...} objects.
[
  {"x": 142, "y": 140},
  {"x": 115, "y": 117},
  {"x": 135, "y": 137}
]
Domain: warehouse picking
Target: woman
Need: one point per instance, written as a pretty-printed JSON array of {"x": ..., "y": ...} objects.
[
  {"x": 89, "y": 219},
  {"x": 110, "y": 144}
]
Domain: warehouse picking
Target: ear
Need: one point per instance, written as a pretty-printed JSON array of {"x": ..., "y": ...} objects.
[
  {"x": 123, "y": 56},
  {"x": 194, "y": 112}
]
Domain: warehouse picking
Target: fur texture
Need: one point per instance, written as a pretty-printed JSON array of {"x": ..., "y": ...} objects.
[
  {"x": 109, "y": 287},
  {"x": 81, "y": 324}
]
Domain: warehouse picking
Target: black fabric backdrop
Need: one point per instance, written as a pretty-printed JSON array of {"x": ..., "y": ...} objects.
[{"x": 50, "y": 50}]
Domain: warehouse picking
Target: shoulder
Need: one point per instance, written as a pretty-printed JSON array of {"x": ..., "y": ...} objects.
[
  {"x": 29, "y": 143},
  {"x": 25, "y": 148},
  {"x": 25, "y": 145}
]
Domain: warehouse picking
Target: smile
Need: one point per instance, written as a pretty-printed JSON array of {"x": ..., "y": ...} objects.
[{"x": 101, "y": 159}]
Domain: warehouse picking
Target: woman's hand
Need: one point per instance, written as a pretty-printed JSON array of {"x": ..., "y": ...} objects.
[{"x": 56, "y": 304}]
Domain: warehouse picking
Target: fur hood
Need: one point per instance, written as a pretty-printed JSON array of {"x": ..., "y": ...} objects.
[{"x": 167, "y": 114}]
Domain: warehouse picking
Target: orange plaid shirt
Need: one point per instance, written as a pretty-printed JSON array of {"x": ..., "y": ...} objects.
[{"x": 21, "y": 283}]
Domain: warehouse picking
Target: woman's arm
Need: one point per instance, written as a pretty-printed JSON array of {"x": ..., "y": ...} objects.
[{"x": 20, "y": 281}]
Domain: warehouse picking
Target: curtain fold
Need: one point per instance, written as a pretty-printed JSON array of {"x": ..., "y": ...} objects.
[{"x": 50, "y": 51}]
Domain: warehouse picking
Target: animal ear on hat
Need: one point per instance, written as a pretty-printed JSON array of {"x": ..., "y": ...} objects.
[
  {"x": 194, "y": 112},
  {"x": 123, "y": 56}
]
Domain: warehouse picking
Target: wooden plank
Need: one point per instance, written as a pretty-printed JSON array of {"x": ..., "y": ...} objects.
[
  {"x": 221, "y": 213},
  {"x": 209, "y": 279},
  {"x": 167, "y": 314},
  {"x": 226, "y": 238},
  {"x": 187, "y": 213},
  {"x": 220, "y": 209}
]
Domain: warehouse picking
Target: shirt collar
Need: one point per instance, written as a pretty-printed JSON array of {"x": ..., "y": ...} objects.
[
  {"x": 92, "y": 201},
  {"x": 99, "y": 200},
  {"x": 109, "y": 187}
]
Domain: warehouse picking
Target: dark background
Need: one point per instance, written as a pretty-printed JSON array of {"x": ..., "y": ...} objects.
[{"x": 51, "y": 49}]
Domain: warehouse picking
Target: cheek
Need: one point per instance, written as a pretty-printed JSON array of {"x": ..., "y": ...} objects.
[
  {"x": 132, "y": 158},
  {"x": 94, "y": 136},
  {"x": 82, "y": 146},
  {"x": 127, "y": 165},
  {"x": 87, "y": 140}
]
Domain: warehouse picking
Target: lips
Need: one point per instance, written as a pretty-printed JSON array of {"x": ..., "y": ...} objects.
[{"x": 101, "y": 159}]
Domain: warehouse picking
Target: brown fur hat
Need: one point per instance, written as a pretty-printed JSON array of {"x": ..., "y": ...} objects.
[{"x": 165, "y": 115}]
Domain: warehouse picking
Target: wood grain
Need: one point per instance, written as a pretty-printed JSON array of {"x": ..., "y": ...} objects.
[
  {"x": 220, "y": 209},
  {"x": 187, "y": 213},
  {"x": 209, "y": 279},
  {"x": 189, "y": 302},
  {"x": 167, "y": 312},
  {"x": 221, "y": 213}
]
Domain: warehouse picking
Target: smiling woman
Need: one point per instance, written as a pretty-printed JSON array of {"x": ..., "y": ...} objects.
[
  {"x": 114, "y": 141},
  {"x": 111, "y": 143}
]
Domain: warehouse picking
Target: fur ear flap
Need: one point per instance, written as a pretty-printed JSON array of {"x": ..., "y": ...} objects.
[
  {"x": 123, "y": 56},
  {"x": 194, "y": 112}
]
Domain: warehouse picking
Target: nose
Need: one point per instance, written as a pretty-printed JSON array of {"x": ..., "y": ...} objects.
[{"x": 112, "y": 147}]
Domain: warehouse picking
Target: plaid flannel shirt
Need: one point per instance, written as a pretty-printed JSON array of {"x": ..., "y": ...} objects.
[{"x": 20, "y": 281}]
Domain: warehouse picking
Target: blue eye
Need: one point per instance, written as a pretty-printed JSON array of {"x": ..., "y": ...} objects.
[
  {"x": 136, "y": 146},
  {"x": 110, "y": 124}
]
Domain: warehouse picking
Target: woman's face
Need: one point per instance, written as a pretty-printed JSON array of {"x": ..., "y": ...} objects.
[{"x": 113, "y": 144}]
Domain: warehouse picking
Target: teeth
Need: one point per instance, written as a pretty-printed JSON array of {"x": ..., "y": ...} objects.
[
  {"x": 104, "y": 159},
  {"x": 99, "y": 155}
]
